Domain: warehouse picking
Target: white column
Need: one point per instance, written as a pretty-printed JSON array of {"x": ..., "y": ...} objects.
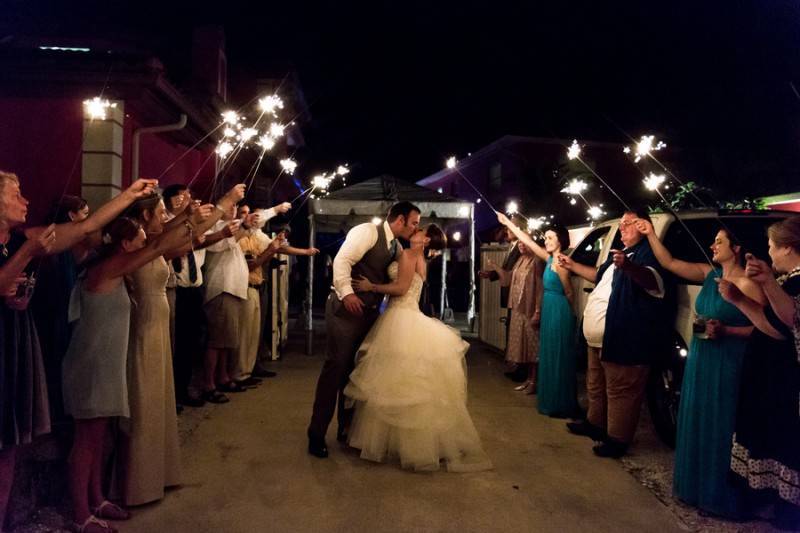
[{"x": 101, "y": 162}]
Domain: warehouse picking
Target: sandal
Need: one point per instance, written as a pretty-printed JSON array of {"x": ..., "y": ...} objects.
[
  {"x": 524, "y": 386},
  {"x": 231, "y": 386},
  {"x": 212, "y": 396},
  {"x": 93, "y": 525},
  {"x": 110, "y": 511}
]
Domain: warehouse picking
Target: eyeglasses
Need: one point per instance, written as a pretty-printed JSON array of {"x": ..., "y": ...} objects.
[{"x": 626, "y": 223}]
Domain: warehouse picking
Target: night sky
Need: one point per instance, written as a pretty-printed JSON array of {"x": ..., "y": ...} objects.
[{"x": 394, "y": 87}]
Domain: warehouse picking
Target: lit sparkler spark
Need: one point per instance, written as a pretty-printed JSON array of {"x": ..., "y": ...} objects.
[
  {"x": 512, "y": 208},
  {"x": 270, "y": 103},
  {"x": 97, "y": 108},
  {"x": 574, "y": 150},
  {"x": 595, "y": 212},
  {"x": 575, "y": 187},
  {"x": 654, "y": 181},
  {"x": 288, "y": 165},
  {"x": 276, "y": 130},
  {"x": 536, "y": 223},
  {"x": 342, "y": 170},
  {"x": 646, "y": 145},
  {"x": 451, "y": 162},
  {"x": 321, "y": 181},
  {"x": 248, "y": 133},
  {"x": 230, "y": 117},
  {"x": 229, "y": 132},
  {"x": 224, "y": 149},
  {"x": 266, "y": 142}
]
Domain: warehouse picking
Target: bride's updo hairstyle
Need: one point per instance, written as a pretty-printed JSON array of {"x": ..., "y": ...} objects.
[{"x": 438, "y": 240}]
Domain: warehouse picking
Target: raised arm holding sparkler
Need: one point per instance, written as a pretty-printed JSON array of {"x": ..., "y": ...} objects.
[{"x": 523, "y": 237}]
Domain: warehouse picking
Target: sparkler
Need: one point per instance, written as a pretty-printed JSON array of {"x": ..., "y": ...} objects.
[
  {"x": 653, "y": 182},
  {"x": 224, "y": 149},
  {"x": 452, "y": 164},
  {"x": 595, "y": 212},
  {"x": 645, "y": 147},
  {"x": 512, "y": 208},
  {"x": 266, "y": 142},
  {"x": 288, "y": 165},
  {"x": 276, "y": 130},
  {"x": 230, "y": 117},
  {"x": 247, "y": 134},
  {"x": 342, "y": 170},
  {"x": 536, "y": 223},
  {"x": 270, "y": 103},
  {"x": 574, "y": 153},
  {"x": 97, "y": 108}
]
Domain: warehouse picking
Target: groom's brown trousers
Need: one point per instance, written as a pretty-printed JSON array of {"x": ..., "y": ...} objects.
[{"x": 344, "y": 333}]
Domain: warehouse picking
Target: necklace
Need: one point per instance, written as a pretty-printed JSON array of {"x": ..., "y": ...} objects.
[{"x": 793, "y": 272}]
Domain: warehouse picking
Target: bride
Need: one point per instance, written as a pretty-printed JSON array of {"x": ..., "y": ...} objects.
[{"x": 410, "y": 382}]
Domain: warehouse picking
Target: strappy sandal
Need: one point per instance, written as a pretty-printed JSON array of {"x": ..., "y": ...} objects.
[
  {"x": 110, "y": 511},
  {"x": 93, "y": 525},
  {"x": 214, "y": 396}
]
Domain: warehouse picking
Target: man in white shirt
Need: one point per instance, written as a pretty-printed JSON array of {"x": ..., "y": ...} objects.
[{"x": 367, "y": 251}]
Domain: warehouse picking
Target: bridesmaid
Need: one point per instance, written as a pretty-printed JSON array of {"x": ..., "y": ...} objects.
[
  {"x": 710, "y": 390},
  {"x": 557, "y": 388}
]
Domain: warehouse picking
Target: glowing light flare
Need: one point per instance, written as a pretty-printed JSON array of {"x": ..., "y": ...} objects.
[
  {"x": 575, "y": 187},
  {"x": 266, "y": 142},
  {"x": 536, "y": 223},
  {"x": 288, "y": 165},
  {"x": 654, "y": 181},
  {"x": 463, "y": 211},
  {"x": 276, "y": 130},
  {"x": 97, "y": 108},
  {"x": 230, "y": 117},
  {"x": 574, "y": 150},
  {"x": 377, "y": 221},
  {"x": 224, "y": 149},
  {"x": 646, "y": 145},
  {"x": 457, "y": 236},
  {"x": 451, "y": 162},
  {"x": 512, "y": 208},
  {"x": 595, "y": 212},
  {"x": 269, "y": 104}
]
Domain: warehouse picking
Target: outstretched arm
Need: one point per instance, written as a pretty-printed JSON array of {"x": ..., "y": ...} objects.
[
  {"x": 696, "y": 272},
  {"x": 407, "y": 265},
  {"x": 588, "y": 273},
  {"x": 524, "y": 237},
  {"x": 751, "y": 309}
]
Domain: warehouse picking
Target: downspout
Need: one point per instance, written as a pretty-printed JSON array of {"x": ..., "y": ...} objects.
[{"x": 137, "y": 135}]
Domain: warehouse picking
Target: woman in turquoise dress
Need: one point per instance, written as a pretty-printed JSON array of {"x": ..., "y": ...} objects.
[
  {"x": 710, "y": 390},
  {"x": 557, "y": 390}
]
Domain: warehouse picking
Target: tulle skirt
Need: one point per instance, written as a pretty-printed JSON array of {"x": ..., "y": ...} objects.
[{"x": 410, "y": 391}]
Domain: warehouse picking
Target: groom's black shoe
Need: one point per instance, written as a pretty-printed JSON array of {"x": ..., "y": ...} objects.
[{"x": 317, "y": 447}]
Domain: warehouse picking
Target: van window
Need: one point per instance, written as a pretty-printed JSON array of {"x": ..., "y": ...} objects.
[{"x": 588, "y": 251}]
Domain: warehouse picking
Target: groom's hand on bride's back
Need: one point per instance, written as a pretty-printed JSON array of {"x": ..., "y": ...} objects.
[{"x": 353, "y": 304}]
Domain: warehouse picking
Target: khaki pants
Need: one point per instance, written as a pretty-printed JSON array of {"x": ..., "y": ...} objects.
[
  {"x": 244, "y": 359},
  {"x": 615, "y": 395}
]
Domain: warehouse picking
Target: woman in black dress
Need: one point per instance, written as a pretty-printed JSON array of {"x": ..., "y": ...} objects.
[{"x": 766, "y": 444}]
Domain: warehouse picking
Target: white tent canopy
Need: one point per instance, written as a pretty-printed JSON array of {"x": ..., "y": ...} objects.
[{"x": 341, "y": 210}]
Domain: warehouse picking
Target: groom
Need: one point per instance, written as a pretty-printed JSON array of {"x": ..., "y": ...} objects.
[{"x": 367, "y": 251}]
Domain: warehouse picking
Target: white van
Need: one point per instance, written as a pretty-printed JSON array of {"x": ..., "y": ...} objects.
[{"x": 749, "y": 227}]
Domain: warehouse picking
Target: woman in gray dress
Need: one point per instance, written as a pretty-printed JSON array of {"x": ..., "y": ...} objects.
[{"x": 94, "y": 368}]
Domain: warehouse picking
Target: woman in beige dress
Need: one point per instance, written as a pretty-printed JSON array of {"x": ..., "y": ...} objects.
[
  {"x": 150, "y": 452},
  {"x": 525, "y": 300}
]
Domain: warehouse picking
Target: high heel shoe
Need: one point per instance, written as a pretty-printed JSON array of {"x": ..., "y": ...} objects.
[{"x": 523, "y": 387}]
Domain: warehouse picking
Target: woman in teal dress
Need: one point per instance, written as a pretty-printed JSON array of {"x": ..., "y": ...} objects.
[
  {"x": 710, "y": 390},
  {"x": 557, "y": 391}
]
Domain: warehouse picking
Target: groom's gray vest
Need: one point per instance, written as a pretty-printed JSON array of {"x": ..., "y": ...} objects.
[{"x": 374, "y": 266}]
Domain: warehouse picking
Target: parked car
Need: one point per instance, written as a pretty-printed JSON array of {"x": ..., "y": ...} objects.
[{"x": 749, "y": 228}]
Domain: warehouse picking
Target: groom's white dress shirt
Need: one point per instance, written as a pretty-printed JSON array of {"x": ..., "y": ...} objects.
[{"x": 358, "y": 241}]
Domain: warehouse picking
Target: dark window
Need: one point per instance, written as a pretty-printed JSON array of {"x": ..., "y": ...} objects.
[{"x": 588, "y": 251}]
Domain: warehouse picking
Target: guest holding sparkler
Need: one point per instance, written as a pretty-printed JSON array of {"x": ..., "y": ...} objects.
[
  {"x": 525, "y": 308},
  {"x": 150, "y": 456},
  {"x": 557, "y": 392},
  {"x": 626, "y": 322},
  {"x": 710, "y": 388},
  {"x": 765, "y": 454}
]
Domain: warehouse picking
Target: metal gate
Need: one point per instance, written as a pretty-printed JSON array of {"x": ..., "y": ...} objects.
[{"x": 492, "y": 319}]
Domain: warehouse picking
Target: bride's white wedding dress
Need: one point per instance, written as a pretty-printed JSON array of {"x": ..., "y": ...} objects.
[{"x": 410, "y": 388}]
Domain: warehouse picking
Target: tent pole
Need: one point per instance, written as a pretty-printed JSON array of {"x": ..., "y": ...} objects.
[
  {"x": 443, "y": 290},
  {"x": 309, "y": 304},
  {"x": 471, "y": 310}
]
